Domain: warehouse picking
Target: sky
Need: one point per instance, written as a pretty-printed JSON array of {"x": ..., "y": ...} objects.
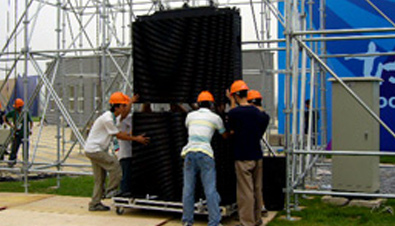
[{"x": 42, "y": 35}]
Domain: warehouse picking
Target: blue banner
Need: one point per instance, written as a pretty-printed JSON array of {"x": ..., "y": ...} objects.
[{"x": 353, "y": 14}]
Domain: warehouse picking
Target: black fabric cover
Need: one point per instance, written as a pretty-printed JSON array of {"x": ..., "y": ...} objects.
[
  {"x": 274, "y": 175},
  {"x": 179, "y": 53},
  {"x": 158, "y": 167}
]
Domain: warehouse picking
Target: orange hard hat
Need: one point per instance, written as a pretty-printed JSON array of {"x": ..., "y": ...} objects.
[
  {"x": 119, "y": 98},
  {"x": 237, "y": 86},
  {"x": 18, "y": 103},
  {"x": 253, "y": 94},
  {"x": 205, "y": 96}
]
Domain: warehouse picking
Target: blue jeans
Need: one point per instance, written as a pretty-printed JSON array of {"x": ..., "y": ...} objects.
[
  {"x": 126, "y": 182},
  {"x": 194, "y": 163}
]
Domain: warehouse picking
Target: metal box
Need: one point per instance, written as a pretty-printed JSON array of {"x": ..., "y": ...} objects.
[{"x": 354, "y": 129}]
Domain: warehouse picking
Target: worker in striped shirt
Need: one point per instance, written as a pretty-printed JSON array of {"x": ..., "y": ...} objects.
[{"x": 199, "y": 159}]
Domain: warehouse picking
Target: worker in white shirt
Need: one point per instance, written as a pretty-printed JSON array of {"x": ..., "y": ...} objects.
[
  {"x": 96, "y": 149},
  {"x": 199, "y": 159}
]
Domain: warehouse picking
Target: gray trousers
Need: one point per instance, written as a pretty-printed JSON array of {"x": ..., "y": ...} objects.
[
  {"x": 249, "y": 192},
  {"x": 102, "y": 163}
]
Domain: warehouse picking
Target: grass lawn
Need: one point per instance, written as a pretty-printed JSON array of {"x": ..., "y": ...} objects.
[
  {"x": 387, "y": 159},
  {"x": 316, "y": 212},
  {"x": 71, "y": 186}
]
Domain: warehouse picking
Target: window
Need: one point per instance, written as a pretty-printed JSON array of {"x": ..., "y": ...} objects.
[
  {"x": 71, "y": 98},
  {"x": 51, "y": 104},
  {"x": 80, "y": 97},
  {"x": 96, "y": 99}
]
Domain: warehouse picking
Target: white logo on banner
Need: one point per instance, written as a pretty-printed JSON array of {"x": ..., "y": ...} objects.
[{"x": 368, "y": 64}]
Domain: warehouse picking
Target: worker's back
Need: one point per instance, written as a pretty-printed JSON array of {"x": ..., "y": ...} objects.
[
  {"x": 249, "y": 124},
  {"x": 201, "y": 126}
]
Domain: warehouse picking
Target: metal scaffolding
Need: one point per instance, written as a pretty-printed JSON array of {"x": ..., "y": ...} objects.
[{"x": 103, "y": 28}]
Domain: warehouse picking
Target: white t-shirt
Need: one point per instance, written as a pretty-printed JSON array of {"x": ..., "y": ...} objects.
[
  {"x": 125, "y": 146},
  {"x": 101, "y": 133},
  {"x": 201, "y": 126}
]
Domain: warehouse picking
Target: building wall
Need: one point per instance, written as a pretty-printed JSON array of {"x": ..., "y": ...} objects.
[
  {"x": 78, "y": 86},
  {"x": 257, "y": 73}
]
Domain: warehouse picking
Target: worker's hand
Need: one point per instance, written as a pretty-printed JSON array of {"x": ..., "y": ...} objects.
[
  {"x": 135, "y": 98},
  {"x": 227, "y": 92},
  {"x": 230, "y": 97},
  {"x": 142, "y": 139}
]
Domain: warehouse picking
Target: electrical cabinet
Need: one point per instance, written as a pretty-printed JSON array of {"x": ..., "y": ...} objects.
[{"x": 353, "y": 128}]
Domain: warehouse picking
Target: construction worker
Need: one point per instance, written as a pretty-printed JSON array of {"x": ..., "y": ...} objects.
[
  {"x": 254, "y": 97},
  {"x": 247, "y": 124},
  {"x": 96, "y": 149},
  {"x": 17, "y": 127},
  {"x": 199, "y": 159},
  {"x": 124, "y": 153}
]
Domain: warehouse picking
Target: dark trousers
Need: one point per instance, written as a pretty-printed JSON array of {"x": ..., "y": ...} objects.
[
  {"x": 16, "y": 143},
  {"x": 126, "y": 182}
]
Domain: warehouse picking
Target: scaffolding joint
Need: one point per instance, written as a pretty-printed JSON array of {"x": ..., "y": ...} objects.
[{"x": 25, "y": 50}]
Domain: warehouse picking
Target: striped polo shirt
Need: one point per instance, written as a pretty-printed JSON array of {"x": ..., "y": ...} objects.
[{"x": 201, "y": 126}]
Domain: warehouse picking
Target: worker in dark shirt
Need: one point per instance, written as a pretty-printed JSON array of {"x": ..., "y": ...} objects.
[
  {"x": 247, "y": 124},
  {"x": 254, "y": 97}
]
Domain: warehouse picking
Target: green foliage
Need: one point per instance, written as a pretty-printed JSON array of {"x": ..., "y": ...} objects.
[
  {"x": 36, "y": 118},
  {"x": 318, "y": 213},
  {"x": 387, "y": 159},
  {"x": 71, "y": 186}
]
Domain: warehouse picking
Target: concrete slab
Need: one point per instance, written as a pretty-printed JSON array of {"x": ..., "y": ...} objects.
[
  {"x": 228, "y": 221},
  {"x": 374, "y": 203},
  {"x": 337, "y": 201},
  {"x": 36, "y": 209},
  {"x": 11, "y": 217},
  {"x": 28, "y": 210},
  {"x": 16, "y": 199}
]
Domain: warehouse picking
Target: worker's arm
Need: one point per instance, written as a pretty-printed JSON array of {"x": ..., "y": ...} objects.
[
  {"x": 221, "y": 128},
  {"x": 134, "y": 98},
  {"x": 126, "y": 136},
  {"x": 5, "y": 119},
  {"x": 260, "y": 108}
]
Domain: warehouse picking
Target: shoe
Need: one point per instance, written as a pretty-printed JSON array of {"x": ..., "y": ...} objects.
[
  {"x": 11, "y": 164},
  {"x": 265, "y": 213},
  {"x": 99, "y": 207},
  {"x": 186, "y": 224},
  {"x": 113, "y": 193}
]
